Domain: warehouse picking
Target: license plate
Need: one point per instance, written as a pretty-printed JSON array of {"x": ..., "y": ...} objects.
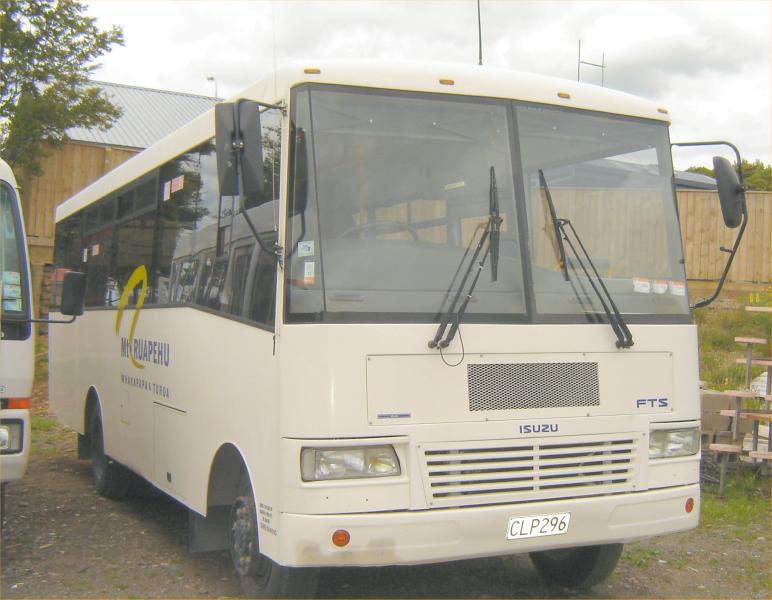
[{"x": 538, "y": 525}]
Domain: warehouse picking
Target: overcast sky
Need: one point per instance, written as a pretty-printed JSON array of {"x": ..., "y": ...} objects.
[{"x": 708, "y": 62}]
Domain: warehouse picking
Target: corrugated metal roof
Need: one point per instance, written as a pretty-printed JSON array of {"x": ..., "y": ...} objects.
[
  {"x": 697, "y": 181},
  {"x": 148, "y": 115}
]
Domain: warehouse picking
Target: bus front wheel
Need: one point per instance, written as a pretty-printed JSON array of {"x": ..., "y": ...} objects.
[
  {"x": 577, "y": 568},
  {"x": 111, "y": 479},
  {"x": 260, "y": 576}
]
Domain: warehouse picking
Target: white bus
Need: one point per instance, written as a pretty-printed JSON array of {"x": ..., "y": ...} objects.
[
  {"x": 17, "y": 339},
  {"x": 387, "y": 314}
]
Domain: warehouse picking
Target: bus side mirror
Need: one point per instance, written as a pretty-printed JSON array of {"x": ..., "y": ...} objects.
[
  {"x": 731, "y": 193},
  {"x": 73, "y": 294},
  {"x": 239, "y": 144}
]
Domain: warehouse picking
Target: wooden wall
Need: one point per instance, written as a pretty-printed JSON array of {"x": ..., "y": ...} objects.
[
  {"x": 703, "y": 232},
  {"x": 66, "y": 169}
]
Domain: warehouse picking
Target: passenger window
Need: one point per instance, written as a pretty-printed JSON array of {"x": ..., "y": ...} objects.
[
  {"x": 238, "y": 281},
  {"x": 264, "y": 290},
  {"x": 184, "y": 288},
  {"x": 203, "y": 281},
  {"x": 98, "y": 256},
  {"x": 213, "y": 298}
]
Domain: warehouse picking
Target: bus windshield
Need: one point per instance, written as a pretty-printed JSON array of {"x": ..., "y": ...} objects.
[
  {"x": 12, "y": 256},
  {"x": 389, "y": 190}
]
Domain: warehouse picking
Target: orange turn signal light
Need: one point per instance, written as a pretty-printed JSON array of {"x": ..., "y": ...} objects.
[
  {"x": 341, "y": 538},
  {"x": 19, "y": 403},
  {"x": 311, "y": 71},
  {"x": 447, "y": 82},
  {"x": 690, "y": 505},
  {"x": 565, "y": 95}
]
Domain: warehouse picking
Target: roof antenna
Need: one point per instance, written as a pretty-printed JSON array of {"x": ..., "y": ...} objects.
[
  {"x": 601, "y": 66},
  {"x": 479, "y": 31},
  {"x": 273, "y": 24}
]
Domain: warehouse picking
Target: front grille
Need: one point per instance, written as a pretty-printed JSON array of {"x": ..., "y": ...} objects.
[
  {"x": 470, "y": 473},
  {"x": 532, "y": 385}
]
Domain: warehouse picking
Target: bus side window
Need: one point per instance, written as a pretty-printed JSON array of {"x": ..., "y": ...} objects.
[
  {"x": 214, "y": 290},
  {"x": 263, "y": 305},
  {"x": 238, "y": 281},
  {"x": 186, "y": 281},
  {"x": 203, "y": 280}
]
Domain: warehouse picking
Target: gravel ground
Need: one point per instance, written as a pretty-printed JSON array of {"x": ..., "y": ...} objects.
[{"x": 60, "y": 539}]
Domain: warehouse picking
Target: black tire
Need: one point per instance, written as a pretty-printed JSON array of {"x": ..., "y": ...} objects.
[
  {"x": 260, "y": 576},
  {"x": 577, "y": 568},
  {"x": 111, "y": 479}
]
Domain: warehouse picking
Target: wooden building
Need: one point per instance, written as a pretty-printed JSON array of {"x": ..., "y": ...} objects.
[{"x": 147, "y": 116}]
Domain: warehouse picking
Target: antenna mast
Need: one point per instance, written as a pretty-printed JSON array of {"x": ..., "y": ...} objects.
[
  {"x": 601, "y": 66},
  {"x": 479, "y": 33}
]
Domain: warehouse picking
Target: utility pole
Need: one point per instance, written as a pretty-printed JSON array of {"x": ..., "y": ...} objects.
[{"x": 213, "y": 80}]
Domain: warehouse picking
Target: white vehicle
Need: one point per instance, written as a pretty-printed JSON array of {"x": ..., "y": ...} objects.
[
  {"x": 17, "y": 335},
  {"x": 17, "y": 339},
  {"x": 386, "y": 314}
]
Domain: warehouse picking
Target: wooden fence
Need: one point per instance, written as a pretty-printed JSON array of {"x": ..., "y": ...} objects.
[{"x": 703, "y": 232}]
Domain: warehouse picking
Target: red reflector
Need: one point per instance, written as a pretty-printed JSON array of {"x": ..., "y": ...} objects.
[
  {"x": 690, "y": 505},
  {"x": 341, "y": 538},
  {"x": 19, "y": 402}
]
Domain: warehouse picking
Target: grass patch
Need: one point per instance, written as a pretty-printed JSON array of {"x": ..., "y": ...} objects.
[
  {"x": 40, "y": 424},
  {"x": 745, "y": 501},
  {"x": 717, "y": 328},
  {"x": 640, "y": 556},
  {"x": 50, "y": 438}
]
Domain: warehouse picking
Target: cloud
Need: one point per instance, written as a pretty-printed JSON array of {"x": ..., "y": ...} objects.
[{"x": 708, "y": 62}]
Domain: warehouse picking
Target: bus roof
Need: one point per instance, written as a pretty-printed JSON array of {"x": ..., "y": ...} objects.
[{"x": 445, "y": 78}]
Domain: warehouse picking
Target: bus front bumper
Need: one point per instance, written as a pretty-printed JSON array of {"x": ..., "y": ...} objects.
[{"x": 429, "y": 536}]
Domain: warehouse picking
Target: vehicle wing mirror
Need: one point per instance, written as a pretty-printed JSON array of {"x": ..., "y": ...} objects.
[
  {"x": 73, "y": 293},
  {"x": 239, "y": 144},
  {"x": 731, "y": 193}
]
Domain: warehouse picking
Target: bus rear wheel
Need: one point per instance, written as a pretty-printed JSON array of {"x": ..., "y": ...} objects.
[
  {"x": 577, "y": 568},
  {"x": 111, "y": 479},
  {"x": 260, "y": 576}
]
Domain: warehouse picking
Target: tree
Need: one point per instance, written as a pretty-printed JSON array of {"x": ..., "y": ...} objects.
[
  {"x": 48, "y": 50},
  {"x": 701, "y": 171},
  {"x": 756, "y": 175}
]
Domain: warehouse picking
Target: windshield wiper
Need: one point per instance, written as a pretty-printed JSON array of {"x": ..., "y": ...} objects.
[
  {"x": 624, "y": 337},
  {"x": 555, "y": 226},
  {"x": 491, "y": 233}
]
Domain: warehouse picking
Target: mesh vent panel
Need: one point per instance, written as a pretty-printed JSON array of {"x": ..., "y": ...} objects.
[{"x": 532, "y": 385}]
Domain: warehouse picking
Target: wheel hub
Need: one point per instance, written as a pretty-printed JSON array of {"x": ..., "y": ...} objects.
[{"x": 243, "y": 551}]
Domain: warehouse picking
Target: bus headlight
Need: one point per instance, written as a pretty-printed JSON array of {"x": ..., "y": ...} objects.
[
  {"x": 318, "y": 464},
  {"x": 667, "y": 443},
  {"x": 10, "y": 437}
]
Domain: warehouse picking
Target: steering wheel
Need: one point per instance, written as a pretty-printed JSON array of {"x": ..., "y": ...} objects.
[{"x": 387, "y": 225}]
